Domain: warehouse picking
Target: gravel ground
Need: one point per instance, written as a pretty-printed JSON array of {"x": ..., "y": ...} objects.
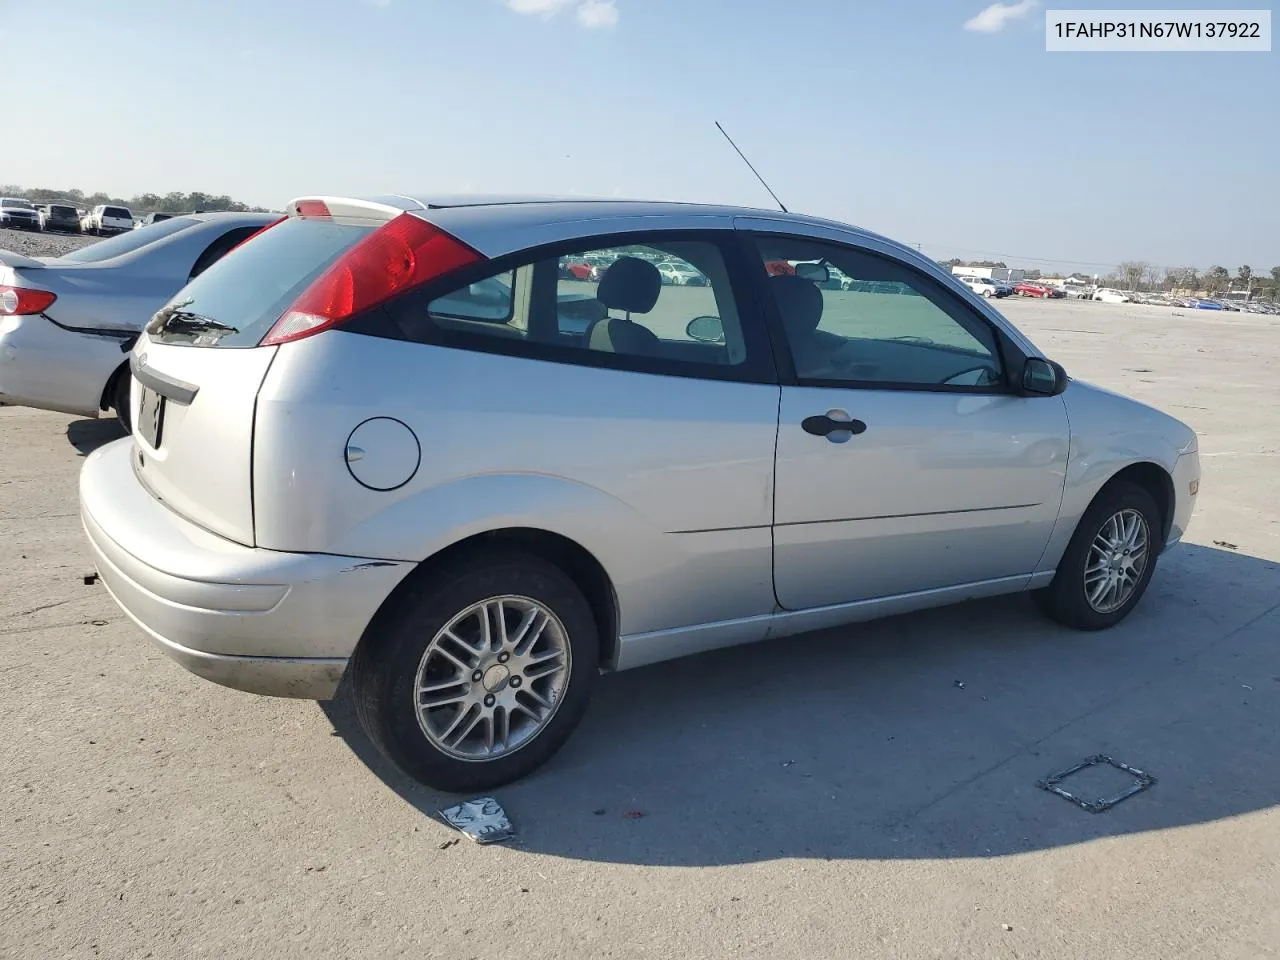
[{"x": 42, "y": 244}]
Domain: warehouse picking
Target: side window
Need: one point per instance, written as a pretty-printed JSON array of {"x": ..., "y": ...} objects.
[
  {"x": 671, "y": 300},
  {"x": 853, "y": 317},
  {"x": 486, "y": 306},
  {"x": 662, "y": 306},
  {"x": 220, "y": 248}
]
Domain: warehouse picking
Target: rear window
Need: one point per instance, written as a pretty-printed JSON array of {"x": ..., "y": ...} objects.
[
  {"x": 250, "y": 288},
  {"x": 120, "y": 212},
  {"x": 128, "y": 242},
  {"x": 62, "y": 211}
]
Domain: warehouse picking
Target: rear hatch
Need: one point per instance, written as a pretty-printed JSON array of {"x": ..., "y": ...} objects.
[{"x": 199, "y": 364}]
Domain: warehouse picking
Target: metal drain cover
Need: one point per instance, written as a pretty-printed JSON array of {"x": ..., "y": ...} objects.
[{"x": 1140, "y": 781}]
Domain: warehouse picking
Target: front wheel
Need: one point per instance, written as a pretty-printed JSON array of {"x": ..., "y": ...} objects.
[
  {"x": 1108, "y": 563},
  {"x": 479, "y": 672}
]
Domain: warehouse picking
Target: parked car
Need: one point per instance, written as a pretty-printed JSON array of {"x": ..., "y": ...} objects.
[
  {"x": 58, "y": 216},
  {"x": 151, "y": 218},
  {"x": 985, "y": 286},
  {"x": 336, "y": 470},
  {"x": 1109, "y": 295},
  {"x": 680, "y": 274},
  {"x": 575, "y": 270},
  {"x": 18, "y": 214},
  {"x": 66, "y": 323},
  {"x": 104, "y": 220},
  {"x": 1030, "y": 288}
]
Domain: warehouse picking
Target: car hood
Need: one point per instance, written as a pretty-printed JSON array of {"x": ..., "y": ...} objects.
[{"x": 1098, "y": 409}]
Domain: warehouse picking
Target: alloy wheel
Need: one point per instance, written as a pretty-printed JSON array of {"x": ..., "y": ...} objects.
[
  {"x": 1117, "y": 558},
  {"x": 492, "y": 678}
]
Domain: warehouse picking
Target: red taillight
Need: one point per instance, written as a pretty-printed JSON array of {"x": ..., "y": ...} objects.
[
  {"x": 311, "y": 208},
  {"x": 399, "y": 256},
  {"x": 18, "y": 301}
]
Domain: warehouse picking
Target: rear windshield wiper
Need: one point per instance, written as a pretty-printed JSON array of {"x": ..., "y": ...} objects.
[{"x": 184, "y": 321}]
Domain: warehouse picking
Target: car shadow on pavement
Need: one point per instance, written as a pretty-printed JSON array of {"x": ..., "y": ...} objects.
[
  {"x": 917, "y": 736},
  {"x": 88, "y": 435}
]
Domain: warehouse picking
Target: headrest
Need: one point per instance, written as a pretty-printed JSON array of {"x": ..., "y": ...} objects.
[
  {"x": 799, "y": 302},
  {"x": 630, "y": 284}
]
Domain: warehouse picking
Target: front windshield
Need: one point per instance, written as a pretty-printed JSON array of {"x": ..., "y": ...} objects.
[
  {"x": 20, "y": 204},
  {"x": 128, "y": 242}
]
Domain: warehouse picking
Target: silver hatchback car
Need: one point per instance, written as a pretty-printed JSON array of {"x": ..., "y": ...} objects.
[{"x": 392, "y": 439}]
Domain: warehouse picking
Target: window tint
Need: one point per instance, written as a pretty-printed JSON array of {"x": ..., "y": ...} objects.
[
  {"x": 631, "y": 305},
  {"x": 868, "y": 319},
  {"x": 219, "y": 248},
  {"x": 116, "y": 212}
]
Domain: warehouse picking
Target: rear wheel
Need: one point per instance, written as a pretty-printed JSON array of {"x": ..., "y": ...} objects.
[
  {"x": 479, "y": 672},
  {"x": 1108, "y": 563},
  {"x": 120, "y": 394}
]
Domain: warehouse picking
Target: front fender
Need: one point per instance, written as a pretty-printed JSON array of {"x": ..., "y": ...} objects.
[{"x": 1109, "y": 433}]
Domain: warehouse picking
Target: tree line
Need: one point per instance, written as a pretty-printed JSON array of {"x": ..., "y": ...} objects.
[
  {"x": 1143, "y": 276},
  {"x": 175, "y": 202},
  {"x": 1149, "y": 278}
]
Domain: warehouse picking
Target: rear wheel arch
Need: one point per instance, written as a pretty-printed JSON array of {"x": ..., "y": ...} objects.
[
  {"x": 116, "y": 392},
  {"x": 578, "y": 563}
]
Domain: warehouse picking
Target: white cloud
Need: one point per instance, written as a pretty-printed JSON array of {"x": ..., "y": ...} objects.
[
  {"x": 994, "y": 17},
  {"x": 592, "y": 14}
]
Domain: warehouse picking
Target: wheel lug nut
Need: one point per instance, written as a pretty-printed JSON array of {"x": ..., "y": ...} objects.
[
  {"x": 515, "y": 682},
  {"x": 504, "y": 657},
  {"x": 477, "y": 677},
  {"x": 489, "y": 701}
]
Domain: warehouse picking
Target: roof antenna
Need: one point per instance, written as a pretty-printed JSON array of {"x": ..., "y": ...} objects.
[{"x": 753, "y": 169}]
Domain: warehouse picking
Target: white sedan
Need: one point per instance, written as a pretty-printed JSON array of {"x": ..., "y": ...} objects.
[
  {"x": 1108, "y": 295},
  {"x": 66, "y": 323}
]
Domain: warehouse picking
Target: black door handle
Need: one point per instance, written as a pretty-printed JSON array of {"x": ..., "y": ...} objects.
[{"x": 824, "y": 426}]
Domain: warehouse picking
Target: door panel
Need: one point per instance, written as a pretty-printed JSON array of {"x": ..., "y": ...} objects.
[{"x": 941, "y": 489}]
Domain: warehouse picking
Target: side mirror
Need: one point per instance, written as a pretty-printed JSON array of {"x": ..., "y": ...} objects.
[
  {"x": 705, "y": 330},
  {"x": 816, "y": 272},
  {"x": 1043, "y": 378}
]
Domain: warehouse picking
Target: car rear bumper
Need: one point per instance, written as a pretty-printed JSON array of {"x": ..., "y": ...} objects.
[
  {"x": 262, "y": 621},
  {"x": 49, "y": 367}
]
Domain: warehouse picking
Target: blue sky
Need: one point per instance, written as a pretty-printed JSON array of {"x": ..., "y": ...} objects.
[{"x": 890, "y": 115}]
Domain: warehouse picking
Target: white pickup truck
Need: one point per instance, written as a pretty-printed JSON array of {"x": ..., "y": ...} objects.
[{"x": 106, "y": 219}]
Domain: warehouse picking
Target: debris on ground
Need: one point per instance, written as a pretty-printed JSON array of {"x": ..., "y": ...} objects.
[
  {"x": 1225, "y": 545},
  {"x": 482, "y": 820},
  {"x": 449, "y": 843},
  {"x": 90, "y": 579},
  {"x": 634, "y": 815},
  {"x": 600, "y": 813},
  {"x": 1006, "y": 927},
  {"x": 959, "y": 684}
]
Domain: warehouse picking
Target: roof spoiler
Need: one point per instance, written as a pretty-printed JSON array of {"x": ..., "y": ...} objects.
[{"x": 10, "y": 259}]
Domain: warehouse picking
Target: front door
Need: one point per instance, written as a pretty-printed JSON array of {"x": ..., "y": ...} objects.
[{"x": 904, "y": 463}]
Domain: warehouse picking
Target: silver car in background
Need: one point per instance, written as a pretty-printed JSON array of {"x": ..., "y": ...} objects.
[
  {"x": 67, "y": 322},
  {"x": 377, "y": 441}
]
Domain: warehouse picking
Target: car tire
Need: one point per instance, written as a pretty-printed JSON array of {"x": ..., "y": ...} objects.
[
  {"x": 1068, "y": 598},
  {"x": 121, "y": 393},
  {"x": 431, "y": 630}
]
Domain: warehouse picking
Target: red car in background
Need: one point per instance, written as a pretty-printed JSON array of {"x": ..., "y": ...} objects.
[
  {"x": 576, "y": 270},
  {"x": 1030, "y": 288}
]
